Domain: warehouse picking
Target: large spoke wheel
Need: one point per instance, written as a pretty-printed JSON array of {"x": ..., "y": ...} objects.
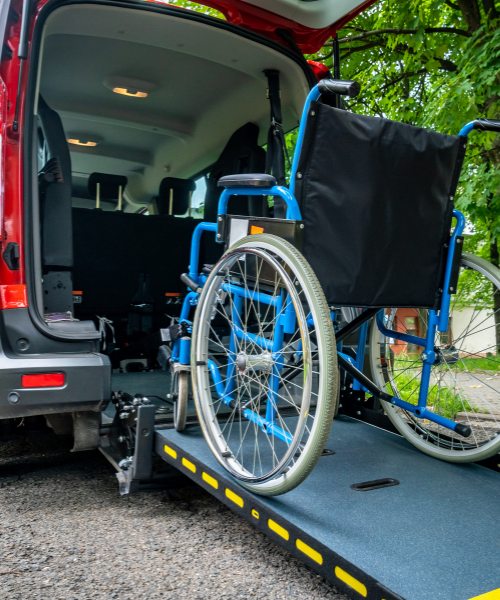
[
  {"x": 465, "y": 379},
  {"x": 264, "y": 364}
]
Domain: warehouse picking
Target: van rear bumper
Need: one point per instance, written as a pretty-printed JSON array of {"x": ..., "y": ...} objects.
[{"x": 87, "y": 384}]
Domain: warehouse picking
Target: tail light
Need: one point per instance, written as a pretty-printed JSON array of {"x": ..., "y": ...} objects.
[{"x": 43, "y": 380}]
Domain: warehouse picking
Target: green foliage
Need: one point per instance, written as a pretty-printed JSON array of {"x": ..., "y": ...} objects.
[
  {"x": 196, "y": 7},
  {"x": 427, "y": 63},
  {"x": 445, "y": 400}
]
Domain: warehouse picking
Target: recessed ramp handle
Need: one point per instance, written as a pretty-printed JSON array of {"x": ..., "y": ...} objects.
[
  {"x": 337, "y": 86},
  {"x": 376, "y": 484}
]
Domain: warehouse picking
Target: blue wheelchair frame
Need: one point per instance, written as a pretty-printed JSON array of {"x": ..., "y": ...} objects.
[{"x": 438, "y": 320}]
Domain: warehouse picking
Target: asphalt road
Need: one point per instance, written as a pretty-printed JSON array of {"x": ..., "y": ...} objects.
[{"x": 67, "y": 534}]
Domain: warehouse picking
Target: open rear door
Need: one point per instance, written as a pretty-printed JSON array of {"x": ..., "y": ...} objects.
[{"x": 310, "y": 22}]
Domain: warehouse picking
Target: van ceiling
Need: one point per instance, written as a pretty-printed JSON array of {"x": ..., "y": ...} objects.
[{"x": 207, "y": 82}]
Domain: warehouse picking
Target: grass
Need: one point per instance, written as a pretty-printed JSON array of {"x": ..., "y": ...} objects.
[
  {"x": 479, "y": 364},
  {"x": 444, "y": 400}
]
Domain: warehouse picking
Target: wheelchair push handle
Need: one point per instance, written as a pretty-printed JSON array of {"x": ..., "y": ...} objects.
[
  {"x": 487, "y": 125},
  {"x": 480, "y": 125},
  {"x": 337, "y": 86}
]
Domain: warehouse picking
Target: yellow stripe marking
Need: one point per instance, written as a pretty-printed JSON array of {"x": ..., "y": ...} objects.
[
  {"x": 351, "y": 582},
  {"x": 278, "y": 529},
  {"x": 170, "y": 451},
  {"x": 254, "y": 230},
  {"x": 309, "y": 552},
  {"x": 494, "y": 595},
  {"x": 213, "y": 482},
  {"x": 255, "y": 513},
  {"x": 189, "y": 465},
  {"x": 234, "y": 497}
]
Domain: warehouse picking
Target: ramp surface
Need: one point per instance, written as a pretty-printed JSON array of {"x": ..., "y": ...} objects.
[{"x": 435, "y": 536}]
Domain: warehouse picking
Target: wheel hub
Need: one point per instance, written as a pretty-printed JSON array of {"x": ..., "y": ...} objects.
[{"x": 263, "y": 362}]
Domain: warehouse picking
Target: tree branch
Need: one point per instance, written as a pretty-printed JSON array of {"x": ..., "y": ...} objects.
[
  {"x": 361, "y": 36},
  {"x": 403, "y": 76},
  {"x": 445, "y": 64},
  {"x": 359, "y": 49},
  {"x": 452, "y": 4}
]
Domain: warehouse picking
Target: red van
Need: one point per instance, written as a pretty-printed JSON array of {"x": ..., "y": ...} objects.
[{"x": 117, "y": 120}]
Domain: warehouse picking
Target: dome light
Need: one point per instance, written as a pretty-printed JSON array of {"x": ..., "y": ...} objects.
[
  {"x": 81, "y": 142},
  {"x": 130, "y": 92}
]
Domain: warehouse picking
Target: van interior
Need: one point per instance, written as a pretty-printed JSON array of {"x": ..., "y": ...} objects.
[{"x": 138, "y": 114}]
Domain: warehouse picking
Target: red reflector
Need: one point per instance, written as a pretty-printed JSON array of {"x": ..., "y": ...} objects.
[{"x": 45, "y": 380}]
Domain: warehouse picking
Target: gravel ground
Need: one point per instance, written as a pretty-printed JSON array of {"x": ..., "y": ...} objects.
[{"x": 66, "y": 534}]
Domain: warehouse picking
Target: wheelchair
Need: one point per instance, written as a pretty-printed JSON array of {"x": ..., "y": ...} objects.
[{"x": 370, "y": 223}]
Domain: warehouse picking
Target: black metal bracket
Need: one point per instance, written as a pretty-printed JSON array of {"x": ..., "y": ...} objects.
[
  {"x": 11, "y": 256},
  {"x": 351, "y": 327},
  {"x": 363, "y": 379},
  {"x": 142, "y": 463},
  {"x": 455, "y": 265}
]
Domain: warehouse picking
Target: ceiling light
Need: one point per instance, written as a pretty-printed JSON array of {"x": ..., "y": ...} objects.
[
  {"x": 130, "y": 92},
  {"x": 127, "y": 86},
  {"x": 81, "y": 142}
]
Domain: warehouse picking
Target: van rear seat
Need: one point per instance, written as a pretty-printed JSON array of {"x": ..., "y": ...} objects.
[{"x": 112, "y": 249}]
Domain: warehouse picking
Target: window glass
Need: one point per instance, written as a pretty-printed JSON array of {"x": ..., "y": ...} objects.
[{"x": 198, "y": 199}]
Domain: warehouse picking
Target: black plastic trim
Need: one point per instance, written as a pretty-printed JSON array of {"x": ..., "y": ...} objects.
[{"x": 28, "y": 116}]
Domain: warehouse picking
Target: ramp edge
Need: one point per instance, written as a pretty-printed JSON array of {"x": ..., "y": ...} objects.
[{"x": 339, "y": 572}]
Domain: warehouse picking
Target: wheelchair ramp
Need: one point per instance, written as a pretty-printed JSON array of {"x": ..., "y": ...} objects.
[{"x": 435, "y": 536}]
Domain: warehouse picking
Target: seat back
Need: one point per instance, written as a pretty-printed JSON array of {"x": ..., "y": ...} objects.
[
  {"x": 112, "y": 250},
  {"x": 242, "y": 154},
  {"x": 377, "y": 200},
  {"x": 55, "y": 217}
]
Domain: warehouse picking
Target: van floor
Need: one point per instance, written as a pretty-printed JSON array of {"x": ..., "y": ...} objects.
[
  {"x": 147, "y": 383},
  {"x": 154, "y": 385}
]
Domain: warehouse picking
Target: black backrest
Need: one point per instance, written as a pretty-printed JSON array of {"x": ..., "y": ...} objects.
[
  {"x": 57, "y": 241},
  {"x": 377, "y": 200},
  {"x": 242, "y": 154},
  {"x": 112, "y": 249},
  {"x": 179, "y": 191},
  {"x": 109, "y": 185}
]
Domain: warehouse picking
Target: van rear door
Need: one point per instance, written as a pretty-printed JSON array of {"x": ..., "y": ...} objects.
[{"x": 311, "y": 22}]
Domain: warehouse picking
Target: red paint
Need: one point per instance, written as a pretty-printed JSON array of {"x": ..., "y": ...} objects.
[
  {"x": 13, "y": 296},
  {"x": 43, "y": 380},
  {"x": 320, "y": 70}
]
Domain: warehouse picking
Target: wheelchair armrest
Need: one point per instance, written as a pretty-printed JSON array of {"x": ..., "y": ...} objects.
[
  {"x": 247, "y": 180},
  {"x": 337, "y": 86}
]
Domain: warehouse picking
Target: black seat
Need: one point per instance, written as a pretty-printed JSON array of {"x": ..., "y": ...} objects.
[
  {"x": 242, "y": 154},
  {"x": 56, "y": 226}
]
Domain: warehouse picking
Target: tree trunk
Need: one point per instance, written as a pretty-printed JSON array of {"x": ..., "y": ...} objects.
[
  {"x": 490, "y": 10},
  {"x": 472, "y": 14},
  {"x": 495, "y": 258}
]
